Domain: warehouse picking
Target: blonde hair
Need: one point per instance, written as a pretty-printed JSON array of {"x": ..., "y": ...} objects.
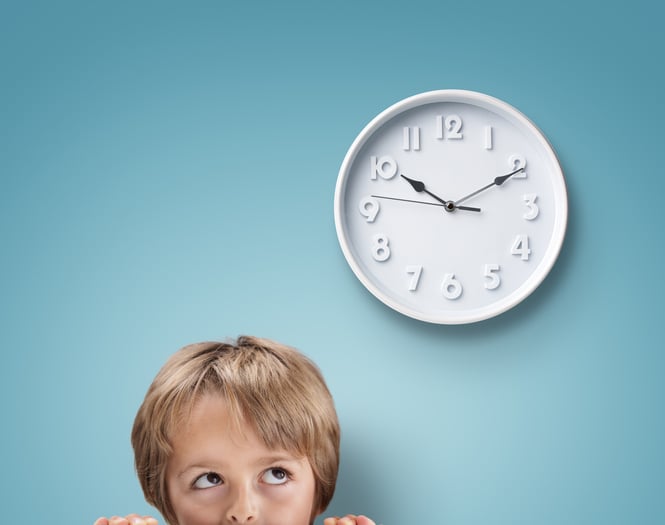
[{"x": 272, "y": 387}]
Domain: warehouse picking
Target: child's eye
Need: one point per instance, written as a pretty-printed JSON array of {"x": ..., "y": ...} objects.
[
  {"x": 275, "y": 476},
  {"x": 210, "y": 479}
]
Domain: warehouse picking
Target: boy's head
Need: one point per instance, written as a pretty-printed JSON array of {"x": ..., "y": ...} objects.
[{"x": 273, "y": 389}]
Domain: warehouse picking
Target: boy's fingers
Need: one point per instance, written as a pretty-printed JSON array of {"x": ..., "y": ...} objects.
[
  {"x": 131, "y": 519},
  {"x": 349, "y": 519},
  {"x": 135, "y": 519}
]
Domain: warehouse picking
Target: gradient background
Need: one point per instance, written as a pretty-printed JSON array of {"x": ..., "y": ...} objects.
[{"x": 167, "y": 176}]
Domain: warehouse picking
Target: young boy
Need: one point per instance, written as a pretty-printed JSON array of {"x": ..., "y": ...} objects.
[{"x": 237, "y": 433}]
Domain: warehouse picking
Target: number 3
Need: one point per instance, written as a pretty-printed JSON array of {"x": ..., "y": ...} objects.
[{"x": 532, "y": 211}]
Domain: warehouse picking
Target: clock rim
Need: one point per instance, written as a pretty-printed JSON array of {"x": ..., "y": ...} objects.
[{"x": 555, "y": 244}]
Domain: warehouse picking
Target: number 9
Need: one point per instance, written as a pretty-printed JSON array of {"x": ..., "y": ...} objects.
[{"x": 369, "y": 208}]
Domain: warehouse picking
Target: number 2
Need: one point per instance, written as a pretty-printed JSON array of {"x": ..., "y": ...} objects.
[{"x": 516, "y": 162}]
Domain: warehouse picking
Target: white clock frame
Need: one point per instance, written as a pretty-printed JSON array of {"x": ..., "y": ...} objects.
[{"x": 442, "y": 136}]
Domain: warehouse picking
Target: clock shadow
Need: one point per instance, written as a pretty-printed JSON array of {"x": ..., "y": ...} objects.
[{"x": 356, "y": 491}]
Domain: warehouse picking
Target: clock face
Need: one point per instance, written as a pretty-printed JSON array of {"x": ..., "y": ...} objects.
[{"x": 451, "y": 207}]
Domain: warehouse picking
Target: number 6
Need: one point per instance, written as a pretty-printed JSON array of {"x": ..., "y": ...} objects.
[{"x": 451, "y": 287}]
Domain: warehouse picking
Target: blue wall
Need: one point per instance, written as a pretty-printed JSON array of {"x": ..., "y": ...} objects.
[{"x": 167, "y": 176}]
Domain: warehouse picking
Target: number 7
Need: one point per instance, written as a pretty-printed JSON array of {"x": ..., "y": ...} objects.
[{"x": 415, "y": 271}]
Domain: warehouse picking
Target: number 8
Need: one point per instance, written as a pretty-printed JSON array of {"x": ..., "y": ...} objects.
[{"x": 380, "y": 248}]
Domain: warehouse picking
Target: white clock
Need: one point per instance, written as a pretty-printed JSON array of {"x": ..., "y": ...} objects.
[{"x": 451, "y": 207}]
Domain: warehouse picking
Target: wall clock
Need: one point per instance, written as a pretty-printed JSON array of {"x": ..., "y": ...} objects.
[{"x": 451, "y": 207}]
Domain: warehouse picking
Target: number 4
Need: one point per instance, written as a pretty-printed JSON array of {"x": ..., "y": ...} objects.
[{"x": 521, "y": 247}]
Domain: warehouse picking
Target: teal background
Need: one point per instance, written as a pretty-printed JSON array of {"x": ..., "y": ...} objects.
[{"x": 167, "y": 176}]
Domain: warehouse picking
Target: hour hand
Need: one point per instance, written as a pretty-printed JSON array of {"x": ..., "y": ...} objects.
[{"x": 419, "y": 186}]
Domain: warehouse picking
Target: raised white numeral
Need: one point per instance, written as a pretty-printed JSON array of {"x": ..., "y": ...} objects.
[
  {"x": 384, "y": 166},
  {"x": 451, "y": 288},
  {"x": 411, "y": 138},
  {"x": 449, "y": 127},
  {"x": 491, "y": 273},
  {"x": 488, "y": 137},
  {"x": 380, "y": 248},
  {"x": 521, "y": 247},
  {"x": 517, "y": 162},
  {"x": 369, "y": 208},
  {"x": 414, "y": 271},
  {"x": 532, "y": 207}
]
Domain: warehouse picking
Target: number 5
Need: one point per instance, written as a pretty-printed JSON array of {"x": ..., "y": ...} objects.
[{"x": 493, "y": 277}]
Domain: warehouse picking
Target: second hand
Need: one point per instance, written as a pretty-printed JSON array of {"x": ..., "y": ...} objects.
[{"x": 467, "y": 208}]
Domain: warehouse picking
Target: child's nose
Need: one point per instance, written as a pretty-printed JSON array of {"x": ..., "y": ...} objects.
[{"x": 243, "y": 508}]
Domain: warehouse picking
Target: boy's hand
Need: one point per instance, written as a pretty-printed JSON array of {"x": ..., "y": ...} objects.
[
  {"x": 132, "y": 519},
  {"x": 349, "y": 519}
]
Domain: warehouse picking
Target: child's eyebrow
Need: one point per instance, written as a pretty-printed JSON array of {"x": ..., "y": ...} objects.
[
  {"x": 263, "y": 461},
  {"x": 196, "y": 466},
  {"x": 279, "y": 458}
]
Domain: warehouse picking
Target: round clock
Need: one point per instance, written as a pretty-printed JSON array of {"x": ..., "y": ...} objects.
[{"x": 451, "y": 207}]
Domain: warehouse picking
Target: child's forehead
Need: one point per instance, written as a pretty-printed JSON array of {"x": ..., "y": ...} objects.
[
  {"x": 212, "y": 414},
  {"x": 207, "y": 405}
]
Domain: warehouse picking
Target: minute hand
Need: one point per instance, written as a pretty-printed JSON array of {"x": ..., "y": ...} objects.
[{"x": 498, "y": 181}]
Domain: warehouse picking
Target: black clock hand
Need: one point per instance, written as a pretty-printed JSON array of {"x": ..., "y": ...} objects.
[
  {"x": 419, "y": 186},
  {"x": 498, "y": 181}
]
